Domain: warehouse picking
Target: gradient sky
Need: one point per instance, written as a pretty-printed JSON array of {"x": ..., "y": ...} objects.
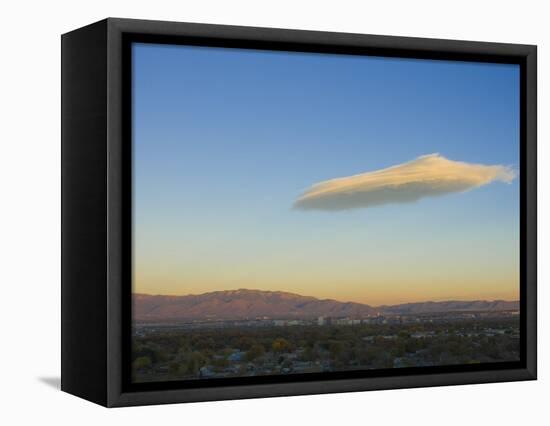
[{"x": 226, "y": 140}]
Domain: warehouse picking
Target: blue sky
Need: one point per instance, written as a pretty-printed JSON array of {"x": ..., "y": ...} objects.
[{"x": 225, "y": 141}]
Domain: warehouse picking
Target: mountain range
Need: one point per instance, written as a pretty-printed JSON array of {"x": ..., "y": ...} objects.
[{"x": 249, "y": 304}]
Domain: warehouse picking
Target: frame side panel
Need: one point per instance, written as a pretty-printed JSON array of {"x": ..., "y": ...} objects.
[
  {"x": 83, "y": 213},
  {"x": 531, "y": 210}
]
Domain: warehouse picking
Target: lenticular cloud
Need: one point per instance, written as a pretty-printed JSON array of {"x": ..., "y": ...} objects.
[{"x": 426, "y": 176}]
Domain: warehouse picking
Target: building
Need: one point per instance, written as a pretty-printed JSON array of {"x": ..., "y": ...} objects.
[{"x": 236, "y": 356}]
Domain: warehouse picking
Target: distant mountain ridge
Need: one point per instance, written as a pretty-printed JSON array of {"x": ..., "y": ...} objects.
[
  {"x": 450, "y": 306},
  {"x": 249, "y": 304}
]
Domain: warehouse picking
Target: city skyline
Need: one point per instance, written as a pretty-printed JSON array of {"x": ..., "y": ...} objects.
[{"x": 365, "y": 179}]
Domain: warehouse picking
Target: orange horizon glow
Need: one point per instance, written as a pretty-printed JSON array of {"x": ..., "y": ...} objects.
[{"x": 372, "y": 298}]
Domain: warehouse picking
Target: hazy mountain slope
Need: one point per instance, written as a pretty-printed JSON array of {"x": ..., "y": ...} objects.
[
  {"x": 242, "y": 304},
  {"x": 237, "y": 304}
]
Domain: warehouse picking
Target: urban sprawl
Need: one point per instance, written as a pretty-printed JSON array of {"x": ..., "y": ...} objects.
[{"x": 193, "y": 349}]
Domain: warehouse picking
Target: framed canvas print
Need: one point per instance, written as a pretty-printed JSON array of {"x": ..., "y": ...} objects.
[{"x": 253, "y": 212}]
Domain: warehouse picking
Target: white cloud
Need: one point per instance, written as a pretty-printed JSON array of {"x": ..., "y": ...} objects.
[{"x": 426, "y": 176}]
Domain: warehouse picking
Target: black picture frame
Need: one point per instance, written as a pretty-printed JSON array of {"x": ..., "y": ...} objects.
[{"x": 97, "y": 226}]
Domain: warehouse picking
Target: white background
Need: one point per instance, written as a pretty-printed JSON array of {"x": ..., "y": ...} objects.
[{"x": 30, "y": 211}]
